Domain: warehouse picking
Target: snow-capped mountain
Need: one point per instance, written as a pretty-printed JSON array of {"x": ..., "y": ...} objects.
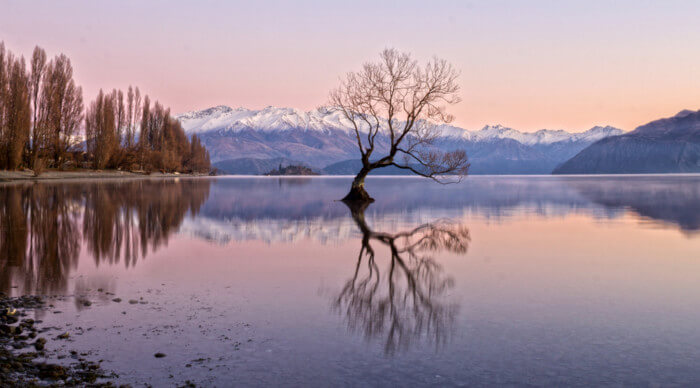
[
  {"x": 323, "y": 120},
  {"x": 269, "y": 119},
  {"x": 543, "y": 136},
  {"x": 244, "y": 140}
]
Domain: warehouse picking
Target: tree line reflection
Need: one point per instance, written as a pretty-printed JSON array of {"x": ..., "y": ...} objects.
[
  {"x": 405, "y": 300},
  {"x": 44, "y": 225}
]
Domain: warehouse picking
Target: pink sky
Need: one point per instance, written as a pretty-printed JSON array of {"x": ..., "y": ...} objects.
[{"x": 525, "y": 64}]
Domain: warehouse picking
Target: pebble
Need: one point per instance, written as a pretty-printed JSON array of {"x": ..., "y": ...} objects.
[{"x": 39, "y": 344}]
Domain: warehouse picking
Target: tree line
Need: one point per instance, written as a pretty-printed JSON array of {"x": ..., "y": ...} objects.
[{"x": 42, "y": 116}]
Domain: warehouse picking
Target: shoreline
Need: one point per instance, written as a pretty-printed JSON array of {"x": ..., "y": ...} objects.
[
  {"x": 28, "y": 175},
  {"x": 54, "y": 175},
  {"x": 31, "y": 354}
]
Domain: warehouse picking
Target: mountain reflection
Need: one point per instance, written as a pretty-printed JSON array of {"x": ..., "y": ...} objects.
[
  {"x": 406, "y": 301},
  {"x": 289, "y": 210},
  {"x": 45, "y": 228},
  {"x": 44, "y": 225},
  {"x": 673, "y": 199}
]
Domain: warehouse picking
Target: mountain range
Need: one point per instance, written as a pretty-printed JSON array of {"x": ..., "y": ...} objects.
[
  {"x": 245, "y": 141},
  {"x": 669, "y": 145}
]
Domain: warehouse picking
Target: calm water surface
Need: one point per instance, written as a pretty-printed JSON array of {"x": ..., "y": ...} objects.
[{"x": 270, "y": 281}]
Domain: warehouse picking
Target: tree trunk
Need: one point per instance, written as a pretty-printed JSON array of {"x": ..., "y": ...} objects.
[{"x": 357, "y": 190}]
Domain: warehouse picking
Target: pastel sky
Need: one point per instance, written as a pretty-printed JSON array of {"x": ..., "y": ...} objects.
[{"x": 525, "y": 64}]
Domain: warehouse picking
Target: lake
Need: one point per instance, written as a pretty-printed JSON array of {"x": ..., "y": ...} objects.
[{"x": 533, "y": 280}]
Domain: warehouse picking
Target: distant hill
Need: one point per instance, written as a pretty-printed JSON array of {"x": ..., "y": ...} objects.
[
  {"x": 292, "y": 170},
  {"x": 670, "y": 145},
  {"x": 252, "y": 166},
  {"x": 510, "y": 156},
  {"x": 240, "y": 141},
  {"x": 352, "y": 166}
]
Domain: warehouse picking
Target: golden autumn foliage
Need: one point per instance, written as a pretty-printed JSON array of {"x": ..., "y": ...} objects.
[{"x": 42, "y": 120}]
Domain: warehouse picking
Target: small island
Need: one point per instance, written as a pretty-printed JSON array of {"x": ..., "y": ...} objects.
[{"x": 291, "y": 170}]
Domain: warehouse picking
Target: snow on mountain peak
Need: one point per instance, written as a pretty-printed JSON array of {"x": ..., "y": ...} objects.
[
  {"x": 542, "y": 136},
  {"x": 271, "y": 118}
]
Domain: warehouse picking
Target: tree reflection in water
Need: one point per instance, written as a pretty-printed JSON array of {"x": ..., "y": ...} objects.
[
  {"x": 406, "y": 303},
  {"x": 41, "y": 233}
]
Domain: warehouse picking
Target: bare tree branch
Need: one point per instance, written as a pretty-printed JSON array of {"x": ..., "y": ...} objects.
[{"x": 398, "y": 99}]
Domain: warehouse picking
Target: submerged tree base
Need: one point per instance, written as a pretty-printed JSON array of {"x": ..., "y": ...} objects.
[{"x": 358, "y": 195}]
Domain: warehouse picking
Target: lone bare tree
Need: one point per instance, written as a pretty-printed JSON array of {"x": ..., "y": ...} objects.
[{"x": 399, "y": 103}]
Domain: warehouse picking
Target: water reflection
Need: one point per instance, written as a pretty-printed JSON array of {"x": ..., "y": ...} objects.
[
  {"x": 537, "y": 302},
  {"x": 43, "y": 226},
  {"x": 40, "y": 237},
  {"x": 669, "y": 199},
  {"x": 46, "y": 227},
  {"x": 406, "y": 301},
  {"x": 285, "y": 210}
]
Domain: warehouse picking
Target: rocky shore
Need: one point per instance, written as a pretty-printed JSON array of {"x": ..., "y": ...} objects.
[{"x": 25, "y": 350}]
